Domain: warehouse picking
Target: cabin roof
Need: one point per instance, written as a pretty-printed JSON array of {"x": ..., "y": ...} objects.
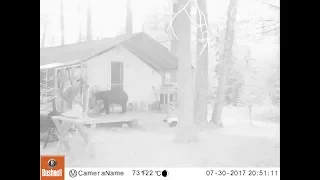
[
  {"x": 140, "y": 44},
  {"x": 50, "y": 66}
]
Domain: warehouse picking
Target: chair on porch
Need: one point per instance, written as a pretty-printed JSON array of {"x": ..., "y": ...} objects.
[{"x": 47, "y": 125}]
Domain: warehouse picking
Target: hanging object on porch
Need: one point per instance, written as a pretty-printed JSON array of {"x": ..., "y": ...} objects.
[
  {"x": 76, "y": 89},
  {"x": 174, "y": 89}
]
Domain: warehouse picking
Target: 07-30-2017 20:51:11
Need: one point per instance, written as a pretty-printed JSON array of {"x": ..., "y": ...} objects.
[{"x": 242, "y": 173}]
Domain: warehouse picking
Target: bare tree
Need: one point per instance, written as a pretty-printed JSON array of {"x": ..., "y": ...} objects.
[
  {"x": 224, "y": 64},
  {"x": 62, "y": 22},
  {"x": 272, "y": 6},
  {"x": 89, "y": 21},
  {"x": 201, "y": 86},
  {"x": 181, "y": 24},
  {"x": 262, "y": 27},
  {"x": 80, "y": 22},
  {"x": 44, "y": 21},
  {"x": 129, "y": 17}
]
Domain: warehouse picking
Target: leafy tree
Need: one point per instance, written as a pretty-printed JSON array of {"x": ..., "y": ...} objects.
[
  {"x": 254, "y": 90},
  {"x": 274, "y": 86}
]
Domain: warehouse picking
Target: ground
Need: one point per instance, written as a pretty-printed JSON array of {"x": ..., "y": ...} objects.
[{"x": 238, "y": 144}]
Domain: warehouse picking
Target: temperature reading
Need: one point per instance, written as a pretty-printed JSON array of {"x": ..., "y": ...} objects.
[{"x": 135, "y": 172}]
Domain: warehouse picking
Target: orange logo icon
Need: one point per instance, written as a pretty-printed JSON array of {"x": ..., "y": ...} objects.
[{"x": 52, "y": 167}]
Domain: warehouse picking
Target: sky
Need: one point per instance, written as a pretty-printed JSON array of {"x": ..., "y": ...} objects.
[{"x": 109, "y": 16}]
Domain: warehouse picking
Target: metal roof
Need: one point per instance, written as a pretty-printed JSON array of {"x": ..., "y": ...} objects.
[
  {"x": 140, "y": 44},
  {"x": 151, "y": 52},
  {"x": 52, "y": 65}
]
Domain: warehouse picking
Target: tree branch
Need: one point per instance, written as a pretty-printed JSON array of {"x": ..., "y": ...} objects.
[
  {"x": 256, "y": 20},
  {"x": 248, "y": 35},
  {"x": 268, "y": 25},
  {"x": 205, "y": 38},
  {"x": 274, "y": 29},
  {"x": 170, "y": 24},
  {"x": 270, "y": 5}
]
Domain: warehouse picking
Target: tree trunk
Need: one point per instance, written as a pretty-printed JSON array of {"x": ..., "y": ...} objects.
[
  {"x": 89, "y": 22},
  {"x": 201, "y": 88},
  {"x": 174, "y": 42},
  {"x": 186, "y": 131},
  {"x": 80, "y": 23},
  {"x": 224, "y": 64},
  {"x": 43, "y": 41},
  {"x": 129, "y": 18},
  {"x": 62, "y": 22}
]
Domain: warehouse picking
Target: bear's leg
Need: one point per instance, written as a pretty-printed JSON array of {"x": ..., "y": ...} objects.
[
  {"x": 124, "y": 108},
  {"x": 98, "y": 107},
  {"x": 106, "y": 106}
]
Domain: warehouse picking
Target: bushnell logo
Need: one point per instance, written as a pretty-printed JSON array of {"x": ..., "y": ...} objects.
[
  {"x": 52, "y": 167},
  {"x": 73, "y": 173},
  {"x": 52, "y": 163}
]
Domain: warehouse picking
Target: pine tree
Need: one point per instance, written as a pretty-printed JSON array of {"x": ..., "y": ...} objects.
[
  {"x": 224, "y": 64},
  {"x": 254, "y": 90}
]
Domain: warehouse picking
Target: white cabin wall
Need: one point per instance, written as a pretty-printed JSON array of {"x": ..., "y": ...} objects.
[
  {"x": 138, "y": 77},
  {"x": 96, "y": 72}
]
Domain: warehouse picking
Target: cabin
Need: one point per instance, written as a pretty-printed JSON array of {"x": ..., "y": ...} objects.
[{"x": 135, "y": 63}]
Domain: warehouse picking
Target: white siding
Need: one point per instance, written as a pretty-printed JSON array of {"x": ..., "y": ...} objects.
[
  {"x": 96, "y": 72},
  {"x": 138, "y": 77}
]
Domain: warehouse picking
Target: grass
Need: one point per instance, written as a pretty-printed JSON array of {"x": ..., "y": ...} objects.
[{"x": 238, "y": 144}]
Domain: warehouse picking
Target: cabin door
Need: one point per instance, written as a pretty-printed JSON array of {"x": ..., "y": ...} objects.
[{"x": 116, "y": 75}]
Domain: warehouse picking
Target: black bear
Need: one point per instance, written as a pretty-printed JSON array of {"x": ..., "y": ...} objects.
[{"x": 112, "y": 97}]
